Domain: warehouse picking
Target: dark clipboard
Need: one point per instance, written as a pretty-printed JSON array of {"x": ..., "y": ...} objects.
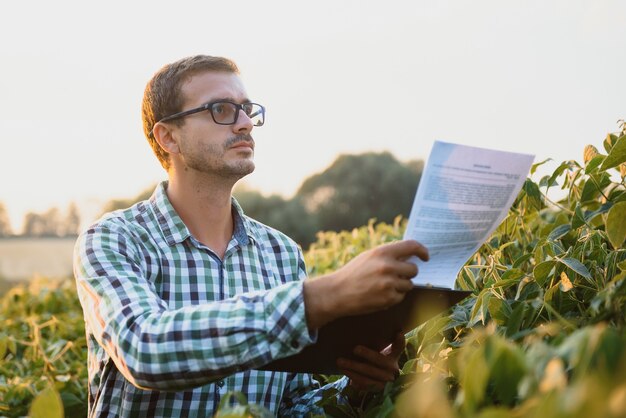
[{"x": 375, "y": 330}]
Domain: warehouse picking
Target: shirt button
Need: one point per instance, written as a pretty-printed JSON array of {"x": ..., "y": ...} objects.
[
  {"x": 220, "y": 383},
  {"x": 295, "y": 344}
]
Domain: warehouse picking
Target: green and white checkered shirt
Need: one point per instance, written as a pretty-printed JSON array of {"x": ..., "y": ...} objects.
[{"x": 171, "y": 327}]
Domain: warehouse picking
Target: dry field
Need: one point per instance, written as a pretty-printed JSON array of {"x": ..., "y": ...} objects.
[{"x": 24, "y": 258}]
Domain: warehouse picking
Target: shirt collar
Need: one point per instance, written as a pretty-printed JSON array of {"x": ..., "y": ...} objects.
[{"x": 174, "y": 229}]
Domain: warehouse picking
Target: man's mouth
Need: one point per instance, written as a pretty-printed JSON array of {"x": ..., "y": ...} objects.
[
  {"x": 241, "y": 141},
  {"x": 243, "y": 144}
]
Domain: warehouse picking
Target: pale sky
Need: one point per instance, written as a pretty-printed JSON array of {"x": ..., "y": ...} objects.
[{"x": 541, "y": 77}]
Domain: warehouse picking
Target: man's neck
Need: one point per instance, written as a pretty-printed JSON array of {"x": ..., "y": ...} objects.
[{"x": 204, "y": 205}]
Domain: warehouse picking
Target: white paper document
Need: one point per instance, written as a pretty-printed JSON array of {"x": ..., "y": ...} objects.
[{"x": 464, "y": 194}]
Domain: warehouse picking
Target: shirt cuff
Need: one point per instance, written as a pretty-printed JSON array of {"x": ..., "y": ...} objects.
[{"x": 286, "y": 320}]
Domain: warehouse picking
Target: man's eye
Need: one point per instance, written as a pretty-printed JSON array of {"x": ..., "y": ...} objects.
[
  {"x": 219, "y": 108},
  {"x": 248, "y": 108}
]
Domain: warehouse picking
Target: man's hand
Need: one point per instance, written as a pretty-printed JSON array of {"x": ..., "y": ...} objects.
[
  {"x": 376, "y": 279},
  {"x": 376, "y": 369}
]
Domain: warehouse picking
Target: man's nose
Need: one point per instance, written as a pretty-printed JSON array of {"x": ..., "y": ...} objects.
[{"x": 243, "y": 124}]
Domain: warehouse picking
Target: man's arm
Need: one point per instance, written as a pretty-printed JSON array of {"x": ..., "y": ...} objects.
[
  {"x": 374, "y": 280},
  {"x": 156, "y": 347},
  {"x": 160, "y": 348}
]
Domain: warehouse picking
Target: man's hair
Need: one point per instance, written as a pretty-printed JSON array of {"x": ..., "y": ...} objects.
[{"x": 163, "y": 96}]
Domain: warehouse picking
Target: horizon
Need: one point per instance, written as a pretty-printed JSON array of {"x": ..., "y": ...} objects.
[
  {"x": 96, "y": 210},
  {"x": 533, "y": 77}
]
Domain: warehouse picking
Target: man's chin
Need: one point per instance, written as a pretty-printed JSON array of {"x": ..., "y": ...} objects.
[{"x": 243, "y": 168}]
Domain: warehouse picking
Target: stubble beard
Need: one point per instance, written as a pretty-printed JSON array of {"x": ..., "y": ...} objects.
[{"x": 211, "y": 159}]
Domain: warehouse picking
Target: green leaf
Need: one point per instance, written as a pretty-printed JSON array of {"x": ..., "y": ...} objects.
[
  {"x": 542, "y": 270},
  {"x": 387, "y": 408},
  {"x": 514, "y": 273},
  {"x": 617, "y": 155},
  {"x": 602, "y": 209},
  {"x": 609, "y": 142},
  {"x": 47, "y": 404},
  {"x": 526, "y": 287},
  {"x": 610, "y": 296},
  {"x": 594, "y": 163},
  {"x": 458, "y": 317},
  {"x": 506, "y": 364},
  {"x": 559, "y": 170},
  {"x": 259, "y": 411},
  {"x": 227, "y": 409},
  {"x": 547, "y": 297},
  {"x": 589, "y": 193},
  {"x": 234, "y": 411},
  {"x": 576, "y": 347},
  {"x": 3, "y": 345},
  {"x": 576, "y": 265},
  {"x": 475, "y": 378},
  {"x": 545, "y": 182},
  {"x": 578, "y": 219},
  {"x": 499, "y": 309},
  {"x": 521, "y": 260},
  {"x": 616, "y": 224},
  {"x": 466, "y": 279},
  {"x": 481, "y": 308},
  {"x": 493, "y": 412},
  {"x": 533, "y": 193},
  {"x": 515, "y": 319},
  {"x": 70, "y": 400},
  {"x": 559, "y": 232},
  {"x": 534, "y": 167},
  {"x": 594, "y": 185},
  {"x": 12, "y": 346}
]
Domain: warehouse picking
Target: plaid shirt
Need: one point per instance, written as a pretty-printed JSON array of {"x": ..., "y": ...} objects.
[{"x": 171, "y": 328}]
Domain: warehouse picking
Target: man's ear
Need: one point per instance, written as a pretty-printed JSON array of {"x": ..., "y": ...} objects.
[{"x": 164, "y": 137}]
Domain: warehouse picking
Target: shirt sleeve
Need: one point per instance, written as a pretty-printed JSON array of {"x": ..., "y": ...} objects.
[
  {"x": 303, "y": 392},
  {"x": 155, "y": 347}
]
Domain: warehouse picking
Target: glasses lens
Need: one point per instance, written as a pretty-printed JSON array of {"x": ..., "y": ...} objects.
[
  {"x": 224, "y": 113},
  {"x": 255, "y": 112}
]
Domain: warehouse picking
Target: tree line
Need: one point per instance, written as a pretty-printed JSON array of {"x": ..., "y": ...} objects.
[
  {"x": 51, "y": 223},
  {"x": 346, "y": 195}
]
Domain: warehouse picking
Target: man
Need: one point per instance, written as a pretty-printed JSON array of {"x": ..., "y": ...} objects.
[{"x": 184, "y": 296}]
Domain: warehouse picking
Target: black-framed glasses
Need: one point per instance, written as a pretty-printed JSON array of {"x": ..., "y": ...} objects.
[{"x": 225, "y": 112}]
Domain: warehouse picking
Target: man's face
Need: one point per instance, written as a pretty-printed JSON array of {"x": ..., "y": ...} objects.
[{"x": 223, "y": 150}]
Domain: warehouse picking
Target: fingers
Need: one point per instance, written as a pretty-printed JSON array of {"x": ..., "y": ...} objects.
[
  {"x": 375, "y": 369},
  {"x": 362, "y": 382},
  {"x": 405, "y": 269},
  {"x": 363, "y": 371},
  {"x": 403, "y": 286},
  {"x": 406, "y": 248},
  {"x": 375, "y": 279},
  {"x": 386, "y": 366},
  {"x": 396, "y": 348}
]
